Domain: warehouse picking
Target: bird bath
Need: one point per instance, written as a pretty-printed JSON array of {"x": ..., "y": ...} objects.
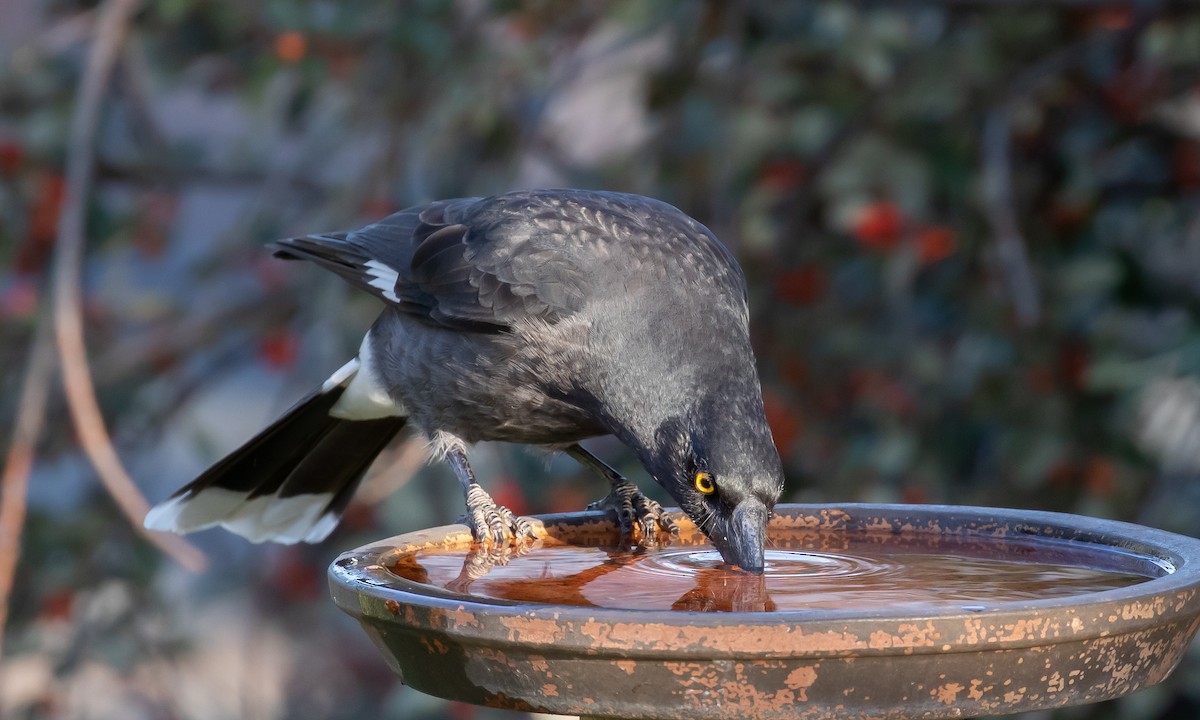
[{"x": 865, "y": 611}]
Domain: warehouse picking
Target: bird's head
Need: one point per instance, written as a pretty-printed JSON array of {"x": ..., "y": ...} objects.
[
  {"x": 720, "y": 465},
  {"x": 679, "y": 386}
]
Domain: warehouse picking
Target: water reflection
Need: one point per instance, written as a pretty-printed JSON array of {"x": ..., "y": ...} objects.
[
  {"x": 716, "y": 589},
  {"x": 858, "y": 575},
  {"x": 720, "y": 590}
]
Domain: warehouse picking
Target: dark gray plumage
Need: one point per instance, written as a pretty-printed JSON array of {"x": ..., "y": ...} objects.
[{"x": 541, "y": 317}]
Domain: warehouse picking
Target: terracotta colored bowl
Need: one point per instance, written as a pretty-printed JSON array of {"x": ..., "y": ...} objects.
[{"x": 954, "y": 662}]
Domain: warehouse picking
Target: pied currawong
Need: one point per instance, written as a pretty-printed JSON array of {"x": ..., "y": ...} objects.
[{"x": 541, "y": 317}]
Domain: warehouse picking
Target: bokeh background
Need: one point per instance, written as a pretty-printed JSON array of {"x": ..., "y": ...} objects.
[{"x": 971, "y": 230}]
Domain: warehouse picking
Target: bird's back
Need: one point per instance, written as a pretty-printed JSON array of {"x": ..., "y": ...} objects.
[{"x": 485, "y": 264}]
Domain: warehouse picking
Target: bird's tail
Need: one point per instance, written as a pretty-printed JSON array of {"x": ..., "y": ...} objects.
[{"x": 292, "y": 481}]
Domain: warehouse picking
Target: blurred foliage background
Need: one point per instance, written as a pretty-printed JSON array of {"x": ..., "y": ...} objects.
[{"x": 971, "y": 230}]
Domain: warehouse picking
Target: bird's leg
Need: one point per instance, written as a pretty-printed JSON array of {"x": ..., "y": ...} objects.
[
  {"x": 486, "y": 519},
  {"x": 625, "y": 501}
]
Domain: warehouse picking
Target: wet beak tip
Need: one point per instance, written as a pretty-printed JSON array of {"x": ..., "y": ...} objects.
[
  {"x": 753, "y": 569},
  {"x": 744, "y": 545}
]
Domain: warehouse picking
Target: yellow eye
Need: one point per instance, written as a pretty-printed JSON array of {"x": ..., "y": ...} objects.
[{"x": 705, "y": 484}]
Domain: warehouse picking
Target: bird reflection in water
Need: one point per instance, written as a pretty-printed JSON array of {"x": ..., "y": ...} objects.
[
  {"x": 724, "y": 590},
  {"x": 716, "y": 589}
]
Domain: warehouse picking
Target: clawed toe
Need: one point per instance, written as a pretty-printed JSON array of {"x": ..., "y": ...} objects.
[
  {"x": 631, "y": 509},
  {"x": 492, "y": 523}
]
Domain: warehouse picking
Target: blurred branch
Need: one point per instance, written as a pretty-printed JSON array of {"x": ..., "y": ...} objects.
[
  {"x": 994, "y": 4},
  {"x": 134, "y": 76},
  {"x": 806, "y": 200},
  {"x": 68, "y": 269},
  {"x": 999, "y": 201},
  {"x": 251, "y": 310},
  {"x": 165, "y": 170},
  {"x": 30, "y": 416},
  {"x": 64, "y": 33},
  {"x": 1000, "y": 208},
  {"x": 177, "y": 174},
  {"x": 863, "y": 118}
]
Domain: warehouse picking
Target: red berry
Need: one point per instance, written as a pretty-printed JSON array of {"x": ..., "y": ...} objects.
[{"x": 879, "y": 225}]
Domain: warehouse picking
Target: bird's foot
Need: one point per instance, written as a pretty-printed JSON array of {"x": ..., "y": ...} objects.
[
  {"x": 490, "y": 522},
  {"x": 633, "y": 509}
]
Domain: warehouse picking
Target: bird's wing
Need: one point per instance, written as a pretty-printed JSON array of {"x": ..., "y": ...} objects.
[
  {"x": 486, "y": 264},
  {"x": 495, "y": 262}
]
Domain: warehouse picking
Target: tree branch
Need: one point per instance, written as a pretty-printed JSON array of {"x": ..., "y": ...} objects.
[
  {"x": 31, "y": 413},
  {"x": 999, "y": 203},
  {"x": 1001, "y": 210},
  {"x": 68, "y": 270}
]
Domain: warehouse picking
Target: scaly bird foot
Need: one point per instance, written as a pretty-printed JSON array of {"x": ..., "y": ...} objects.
[
  {"x": 489, "y": 521},
  {"x": 630, "y": 507}
]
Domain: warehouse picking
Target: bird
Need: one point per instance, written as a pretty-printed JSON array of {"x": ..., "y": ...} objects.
[{"x": 540, "y": 317}]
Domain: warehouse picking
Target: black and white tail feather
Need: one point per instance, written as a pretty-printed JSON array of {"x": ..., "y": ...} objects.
[{"x": 292, "y": 482}]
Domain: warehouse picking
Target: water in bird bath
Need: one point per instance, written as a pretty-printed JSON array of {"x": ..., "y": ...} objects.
[{"x": 804, "y": 571}]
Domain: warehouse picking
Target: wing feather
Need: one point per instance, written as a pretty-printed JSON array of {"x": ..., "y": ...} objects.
[{"x": 486, "y": 264}]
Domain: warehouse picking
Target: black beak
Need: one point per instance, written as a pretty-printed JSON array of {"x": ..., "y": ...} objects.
[{"x": 742, "y": 538}]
